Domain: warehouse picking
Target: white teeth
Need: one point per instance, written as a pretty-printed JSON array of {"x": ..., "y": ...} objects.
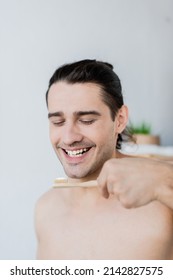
[{"x": 76, "y": 153}]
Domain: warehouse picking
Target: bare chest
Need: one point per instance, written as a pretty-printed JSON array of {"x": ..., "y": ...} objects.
[{"x": 109, "y": 233}]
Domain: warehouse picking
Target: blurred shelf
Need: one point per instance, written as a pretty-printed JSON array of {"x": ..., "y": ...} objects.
[{"x": 152, "y": 151}]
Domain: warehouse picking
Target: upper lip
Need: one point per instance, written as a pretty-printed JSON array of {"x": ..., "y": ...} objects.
[{"x": 76, "y": 149}]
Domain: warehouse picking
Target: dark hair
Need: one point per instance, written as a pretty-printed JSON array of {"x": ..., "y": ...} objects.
[{"x": 97, "y": 72}]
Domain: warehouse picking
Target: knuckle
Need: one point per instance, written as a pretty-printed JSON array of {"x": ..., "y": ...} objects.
[
  {"x": 108, "y": 164},
  {"x": 127, "y": 203},
  {"x": 110, "y": 188},
  {"x": 99, "y": 182},
  {"x": 111, "y": 180}
]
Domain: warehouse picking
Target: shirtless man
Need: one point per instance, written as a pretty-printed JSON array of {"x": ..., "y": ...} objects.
[{"x": 118, "y": 219}]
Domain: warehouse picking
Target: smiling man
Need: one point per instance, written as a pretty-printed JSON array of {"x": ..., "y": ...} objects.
[
  {"x": 76, "y": 129},
  {"x": 88, "y": 119}
]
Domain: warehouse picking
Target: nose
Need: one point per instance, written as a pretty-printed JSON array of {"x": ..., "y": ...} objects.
[{"x": 71, "y": 134}]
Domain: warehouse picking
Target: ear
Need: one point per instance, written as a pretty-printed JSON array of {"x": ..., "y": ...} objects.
[{"x": 121, "y": 119}]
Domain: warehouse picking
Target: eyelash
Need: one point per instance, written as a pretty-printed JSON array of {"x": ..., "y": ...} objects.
[
  {"x": 58, "y": 123},
  {"x": 85, "y": 122}
]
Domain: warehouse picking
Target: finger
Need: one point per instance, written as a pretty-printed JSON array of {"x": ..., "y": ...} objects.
[
  {"x": 105, "y": 193},
  {"x": 102, "y": 187},
  {"x": 110, "y": 188}
]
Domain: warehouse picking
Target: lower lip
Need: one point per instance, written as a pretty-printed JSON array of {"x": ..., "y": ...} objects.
[{"x": 76, "y": 160}]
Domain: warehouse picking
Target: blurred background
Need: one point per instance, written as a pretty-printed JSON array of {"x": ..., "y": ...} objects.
[{"x": 36, "y": 37}]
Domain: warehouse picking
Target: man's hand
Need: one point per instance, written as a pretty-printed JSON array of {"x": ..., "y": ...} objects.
[{"x": 137, "y": 181}]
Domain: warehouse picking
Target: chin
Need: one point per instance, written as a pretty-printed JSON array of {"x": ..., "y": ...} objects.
[
  {"x": 75, "y": 175},
  {"x": 81, "y": 174}
]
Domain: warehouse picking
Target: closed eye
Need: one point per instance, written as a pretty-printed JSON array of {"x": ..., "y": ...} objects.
[
  {"x": 87, "y": 122},
  {"x": 58, "y": 123}
]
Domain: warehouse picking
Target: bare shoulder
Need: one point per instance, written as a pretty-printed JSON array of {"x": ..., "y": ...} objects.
[
  {"x": 47, "y": 198},
  {"x": 54, "y": 198},
  {"x": 50, "y": 202}
]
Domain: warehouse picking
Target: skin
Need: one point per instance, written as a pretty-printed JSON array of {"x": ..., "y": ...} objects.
[
  {"x": 126, "y": 217},
  {"x": 116, "y": 178},
  {"x": 73, "y": 128}
]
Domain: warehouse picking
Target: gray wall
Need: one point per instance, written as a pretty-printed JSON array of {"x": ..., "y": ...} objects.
[{"x": 36, "y": 36}]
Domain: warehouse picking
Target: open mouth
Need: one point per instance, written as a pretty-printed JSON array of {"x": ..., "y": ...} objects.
[{"x": 76, "y": 153}]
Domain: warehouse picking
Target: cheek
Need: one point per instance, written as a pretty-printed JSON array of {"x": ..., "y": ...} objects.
[
  {"x": 93, "y": 133},
  {"x": 101, "y": 134},
  {"x": 53, "y": 135}
]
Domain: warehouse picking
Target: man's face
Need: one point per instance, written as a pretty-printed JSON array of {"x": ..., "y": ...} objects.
[{"x": 82, "y": 132}]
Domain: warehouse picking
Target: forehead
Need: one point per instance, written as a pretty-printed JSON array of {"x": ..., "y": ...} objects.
[{"x": 62, "y": 94}]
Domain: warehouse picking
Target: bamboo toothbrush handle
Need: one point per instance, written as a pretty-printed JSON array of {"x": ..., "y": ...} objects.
[{"x": 63, "y": 183}]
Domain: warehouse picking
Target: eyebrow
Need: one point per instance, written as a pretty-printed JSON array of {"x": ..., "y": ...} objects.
[
  {"x": 84, "y": 113},
  {"x": 78, "y": 114},
  {"x": 55, "y": 114}
]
